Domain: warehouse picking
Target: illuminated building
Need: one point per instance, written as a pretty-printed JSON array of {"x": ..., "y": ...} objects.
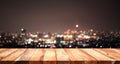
[{"x": 23, "y": 34}]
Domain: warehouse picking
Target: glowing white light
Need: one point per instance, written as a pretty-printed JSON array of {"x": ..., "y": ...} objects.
[
  {"x": 70, "y": 36},
  {"x": 70, "y": 46},
  {"x": 94, "y": 34},
  {"x": 40, "y": 39},
  {"x": 71, "y": 41},
  {"x": 87, "y": 37},
  {"x": 32, "y": 35},
  {"x": 13, "y": 37},
  {"x": 22, "y": 29},
  {"x": 100, "y": 46},
  {"x": 46, "y": 36},
  {"x": 61, "y": 35},
  {"x": 54, "y": 41},
  {"x": 29, "y": 40},
  {"x": 91, "y": 30},
  {"x": 77, "y": 25},
  {"x": 35, "y": 40},
  {"x": 79, "y": 36},
  {"x": 58, "y": 35},
  {"x": 48, "y": 40},
  {"x": 65, "y": 36}
]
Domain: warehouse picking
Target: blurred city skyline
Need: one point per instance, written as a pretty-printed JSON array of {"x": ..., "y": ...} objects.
[{"x": 59, "y": 15}]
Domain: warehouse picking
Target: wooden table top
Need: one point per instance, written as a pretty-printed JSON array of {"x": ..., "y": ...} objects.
[{"x": 59, "y": 56}]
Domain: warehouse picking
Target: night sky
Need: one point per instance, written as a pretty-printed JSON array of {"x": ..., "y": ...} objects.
[{"x": 59, "y": 15}]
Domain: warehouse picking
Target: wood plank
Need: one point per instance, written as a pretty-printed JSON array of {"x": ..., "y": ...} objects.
[
  {"x": 49, "y": 56},
  {"x": 80, "y": 57},
  {"x": 37, "y": 57},
  {"x": 112, "y": 53},
  {"x": 117, "y": 50},
  {"x": 62, "y": 57},
  {"x": 6, "y": 53},
  {"x": 12, "y": 58},
  {"x": 77, "y": 55},
  {"x": 100, "y": 58},
  {"x": 26, "y": 55},
  {"x": 2, "y": 50},
  {"x": 14, "y": 55},
  {"x": 96, "y": 54}
]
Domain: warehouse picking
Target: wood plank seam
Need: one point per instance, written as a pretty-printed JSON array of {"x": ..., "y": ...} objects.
[{"x": 8, "y": 54}]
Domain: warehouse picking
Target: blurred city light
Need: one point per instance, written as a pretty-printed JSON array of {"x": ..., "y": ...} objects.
[
  {"x": 77, "y": 26},
  {"x": 46, "y": 36},
  {"x": 68, "y": 39}
]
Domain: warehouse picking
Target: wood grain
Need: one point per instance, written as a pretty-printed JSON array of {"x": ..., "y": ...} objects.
[{"x": 59, "y": 56}]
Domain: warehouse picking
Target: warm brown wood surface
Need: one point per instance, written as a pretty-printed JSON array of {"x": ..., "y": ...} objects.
[{"x": 59, "y": 56}]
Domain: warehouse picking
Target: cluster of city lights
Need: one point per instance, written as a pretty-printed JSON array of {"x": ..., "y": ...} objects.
[
  {"x": 70, "y": 35},
  {"x": 71, "y": 38}
]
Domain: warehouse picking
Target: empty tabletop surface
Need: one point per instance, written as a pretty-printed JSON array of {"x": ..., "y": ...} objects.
[{"x": 59, "y": 55}]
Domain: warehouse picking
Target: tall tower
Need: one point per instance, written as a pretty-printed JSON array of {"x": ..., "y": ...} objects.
[
  {"x": 76, "y": 31},
  {"x": 23, "y": 33},
  {"x": 77, "y": 27}
]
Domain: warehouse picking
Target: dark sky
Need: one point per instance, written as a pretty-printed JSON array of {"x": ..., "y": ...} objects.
[{"x": 59, "y": 15}]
